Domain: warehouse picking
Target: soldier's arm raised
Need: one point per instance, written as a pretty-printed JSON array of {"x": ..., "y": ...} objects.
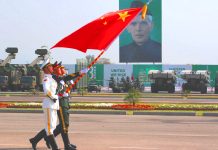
[{"x": 71, "y": 76}]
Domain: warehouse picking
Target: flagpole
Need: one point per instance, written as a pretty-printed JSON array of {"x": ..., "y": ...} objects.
[
  {"x": 149, "y": 2},
  {"x": 96, "y": 59},
  {"x": 90, "y": 65}
]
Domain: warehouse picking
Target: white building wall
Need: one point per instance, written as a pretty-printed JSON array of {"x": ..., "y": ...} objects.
[{"x": 117, "y": 71}]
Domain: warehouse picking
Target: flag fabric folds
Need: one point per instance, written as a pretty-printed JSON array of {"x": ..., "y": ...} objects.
[{"x": 100, "y": 33}]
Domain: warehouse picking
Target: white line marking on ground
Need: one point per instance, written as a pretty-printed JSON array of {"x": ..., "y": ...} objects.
[
  {"x": 19, "y": 146},
  {"x": 12, "y": 145},
  {"x": 128, "y": 147}
]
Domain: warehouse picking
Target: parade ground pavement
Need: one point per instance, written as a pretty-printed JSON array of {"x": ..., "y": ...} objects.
[{"x": 115, "y": 132}]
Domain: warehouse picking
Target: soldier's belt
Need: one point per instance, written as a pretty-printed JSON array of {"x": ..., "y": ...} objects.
[{"x": 63, "y": 97}]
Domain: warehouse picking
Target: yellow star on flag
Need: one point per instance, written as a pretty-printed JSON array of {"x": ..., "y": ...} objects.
[
  {"x": 105, "y": 23},
  {"x": 123, "y": 15}
]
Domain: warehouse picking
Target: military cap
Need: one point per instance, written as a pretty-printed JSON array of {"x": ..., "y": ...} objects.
[{"x": 45, "y": 63}]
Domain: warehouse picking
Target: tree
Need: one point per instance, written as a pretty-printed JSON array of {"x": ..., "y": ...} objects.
[
  {"x": 112, "y": 82},
  {"x": 133, "y": 96}
]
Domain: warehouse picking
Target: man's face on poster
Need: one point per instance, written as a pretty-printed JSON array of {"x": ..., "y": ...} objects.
[{"x": 140, "y": 29}]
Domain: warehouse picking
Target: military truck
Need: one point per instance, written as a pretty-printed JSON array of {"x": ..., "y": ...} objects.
[
  {"x": 114, "y": 85},
  {"x": 15, "y": 76},
  {"x": 195, "y": 80},
  {"x": 3, "y": 83},
  {"x": 162, "y": 81},
  {"x": 94, "y": 86},
  {"x": 119, "y": 86},
  {"x": 28, "y": 83},
  {"x": 8, "y": 73},
  {"x": 216, "y": 83},
  {"x": 34, "y": 75}
]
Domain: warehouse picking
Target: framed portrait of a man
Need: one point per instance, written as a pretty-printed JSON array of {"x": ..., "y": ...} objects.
[{"x": 141, "y": 41}]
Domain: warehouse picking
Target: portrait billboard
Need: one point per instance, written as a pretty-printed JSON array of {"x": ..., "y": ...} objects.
[{"x": 141, "y": 40}]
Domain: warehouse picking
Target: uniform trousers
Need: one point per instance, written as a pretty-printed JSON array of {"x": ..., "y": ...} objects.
[{"x": 50, "y": 116}]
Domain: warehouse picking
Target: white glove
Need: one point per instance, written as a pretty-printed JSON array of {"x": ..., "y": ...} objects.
[
  {"x": 62, "y": 82},
  {"x": 84, "y": 71},
  {"x": 71, "y": 81}
]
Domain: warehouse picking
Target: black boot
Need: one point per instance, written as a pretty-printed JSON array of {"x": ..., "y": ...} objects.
[
  {"x": 67, "y": 145},
  {"x": 47, "y": 142},
  {"x": 37, "y": 138},
  {"x": 52, "y": 142},
  {"x": 70, "y": 147},
  {"x": 55, "y": 132}
]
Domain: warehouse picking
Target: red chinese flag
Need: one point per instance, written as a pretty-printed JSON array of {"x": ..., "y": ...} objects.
[{"x": 100, "y": 33}]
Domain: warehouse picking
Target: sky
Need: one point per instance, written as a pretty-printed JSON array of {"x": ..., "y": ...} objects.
[{"x": 189, "y": 29}]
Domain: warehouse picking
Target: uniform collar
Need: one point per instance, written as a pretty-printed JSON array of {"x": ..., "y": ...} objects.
[
  {"x": 48, "y": 75},
  {"x": 144, "y": 44}
]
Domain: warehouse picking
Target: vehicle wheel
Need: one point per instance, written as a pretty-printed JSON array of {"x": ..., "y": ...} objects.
[
  {"x": 203, "y": 89},
  {"x": 153, "y": 88},
  {"x": 216, "y": 90},
  {"x": 171, "y": 88},
  {"x": 37, "y": 88},
  {"x": 184, "y": 87},
  {"x": 5, "y": 89}
]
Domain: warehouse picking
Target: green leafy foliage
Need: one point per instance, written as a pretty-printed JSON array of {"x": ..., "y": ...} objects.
[{"x": 133, "y": 96}]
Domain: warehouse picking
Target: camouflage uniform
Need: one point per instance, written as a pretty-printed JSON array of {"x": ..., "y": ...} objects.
[{"x": 64, "y": 106}]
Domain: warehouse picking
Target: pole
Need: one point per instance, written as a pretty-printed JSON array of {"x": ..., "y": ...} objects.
[{"x": 90, "y": 65}]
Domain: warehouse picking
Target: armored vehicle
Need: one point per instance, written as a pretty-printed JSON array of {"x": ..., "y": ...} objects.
[
  {"x": 33, "y": 76},
  {"x": 162, "y": 81},
  {"x": 3, "y": 83},
  {"x": 216, "y": 83},
  {"x": 94, "y": 86},
  {"x": 28, "y": 83},
  {"x": 195, "y": 80},
  {"x": 9, "y": 75}
]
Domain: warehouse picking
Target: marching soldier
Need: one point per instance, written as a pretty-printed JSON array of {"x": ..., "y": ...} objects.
[
  {"x": 65, "y": 83},
  {"x": 50, "y": 106}
]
